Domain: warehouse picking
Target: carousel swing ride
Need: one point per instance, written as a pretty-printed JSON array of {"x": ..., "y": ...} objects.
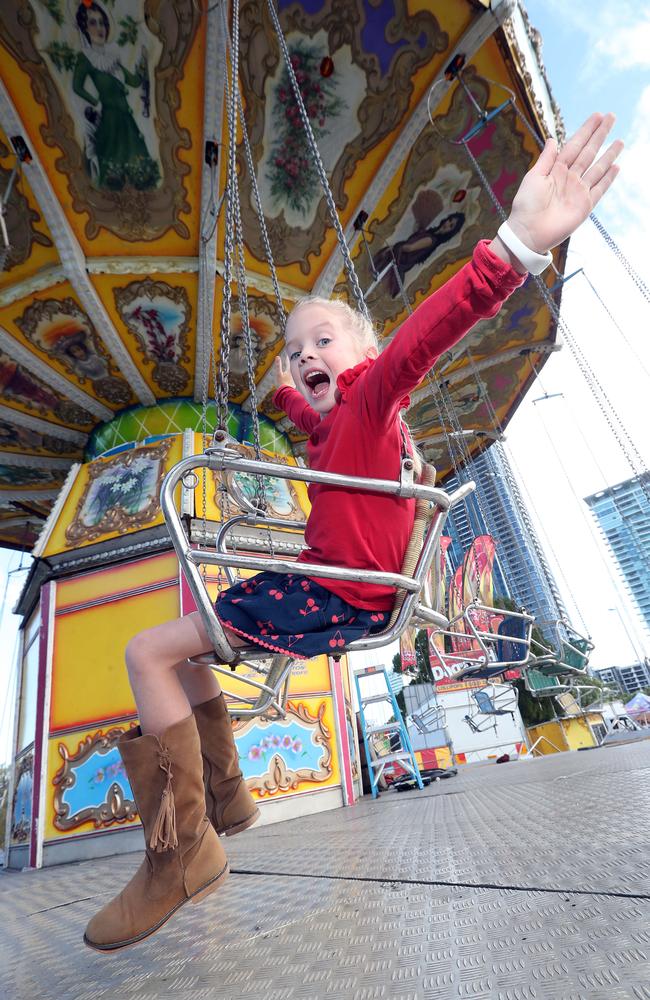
[{"x": 113, "y": 278}]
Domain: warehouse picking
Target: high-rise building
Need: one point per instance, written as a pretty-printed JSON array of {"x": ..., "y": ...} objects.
[
  {"x": 630, "y": 679},
  {"x": 497, "y": 508},
  {"x": 622, "y": 513}
]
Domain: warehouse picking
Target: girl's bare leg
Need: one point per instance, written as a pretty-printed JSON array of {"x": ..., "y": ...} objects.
[
  {"x": 199, "y": 683},
  {"x": 153, "y": 659}
]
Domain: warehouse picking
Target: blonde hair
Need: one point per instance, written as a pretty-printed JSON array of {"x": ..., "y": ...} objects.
[
  {"x": 352, "y": 319},
  {"x": 365, "y": 333}
]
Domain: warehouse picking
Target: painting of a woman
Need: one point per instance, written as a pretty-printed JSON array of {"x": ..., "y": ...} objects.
[
  {"x": 421, "y": 243},
  {"x": 116, "y": 152}
]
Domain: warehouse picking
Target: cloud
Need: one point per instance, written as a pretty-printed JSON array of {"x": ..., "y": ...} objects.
[
  {"x": 618, "y": 35},
  {"x": 625, "y": 46}
]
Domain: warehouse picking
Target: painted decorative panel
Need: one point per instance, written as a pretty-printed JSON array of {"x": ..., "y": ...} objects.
[
  {"x": 22, "y": 391},
  {"x": 61, "y": 330},
  {"x": 108, "y": 75},
  {"x": 21, "y": 806},
  {"x": 115, "y": 496}
]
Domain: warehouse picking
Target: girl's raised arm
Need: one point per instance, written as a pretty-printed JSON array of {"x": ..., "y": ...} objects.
[{"x": 554, "y": 198}]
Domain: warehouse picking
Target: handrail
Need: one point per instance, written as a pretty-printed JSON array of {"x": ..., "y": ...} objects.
[{"x": 223, "y": 460}]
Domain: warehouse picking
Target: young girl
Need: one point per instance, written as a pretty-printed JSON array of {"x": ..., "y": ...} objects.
[{"x": 181, "y": 759}]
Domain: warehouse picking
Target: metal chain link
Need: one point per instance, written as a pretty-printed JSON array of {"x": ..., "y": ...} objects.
[
  {"x": 459, "y": 454},
  {"x": 222, "y": 389},
  {"x": 642, "y": 554},
  {"x": 467, "y": 463},
  {"x": 618, "y": 253},
  {"x": 638, "y": 358},
  {"x": 593, "y": 383},
  {"x": 261, "y": 219},
  {"x": 609, "y": 240},
  {"x": 532, "y": 534},
  {"x": 260, "y": 484},
  {"x": 593, "y": 218},
  {"x": 311, "y": 139}
]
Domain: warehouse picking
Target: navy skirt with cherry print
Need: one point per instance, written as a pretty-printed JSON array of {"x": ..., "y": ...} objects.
[{"x": 292, "y": 614}]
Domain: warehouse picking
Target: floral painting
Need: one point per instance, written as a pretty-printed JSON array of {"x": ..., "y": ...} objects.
[
  {"x": 279, "y": 755},
  {"x": 122, "y": 494},
  {"x": 355, "y": 65},
  {"x": 291, "y": 170},
  {"x": 158, "y": 315}
]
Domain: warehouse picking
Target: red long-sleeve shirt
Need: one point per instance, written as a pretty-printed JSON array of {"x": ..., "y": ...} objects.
[{"x": 361, "y": 435}]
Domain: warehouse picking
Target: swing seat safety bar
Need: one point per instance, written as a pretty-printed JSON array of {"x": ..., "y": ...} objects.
[
  {"x": 488, "y": 649},
  {"x": 223, "y": 460}
]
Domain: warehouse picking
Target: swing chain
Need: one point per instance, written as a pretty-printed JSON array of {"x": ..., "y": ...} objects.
[
  {"x": 222, "y": 389},
  {"x": 261, "y": 218},
  {"x": 608, "y": 238},
  {"x": 340, "y": 235},
  {"x": 234, "y": 240},
  {"x": 618, "y": 253}
]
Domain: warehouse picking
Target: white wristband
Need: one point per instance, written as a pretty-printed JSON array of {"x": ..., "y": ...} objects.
[{"x": 533, "y": 262}]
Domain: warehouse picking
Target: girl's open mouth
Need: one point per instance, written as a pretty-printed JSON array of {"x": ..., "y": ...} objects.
[{"x": 317, "y": 382}]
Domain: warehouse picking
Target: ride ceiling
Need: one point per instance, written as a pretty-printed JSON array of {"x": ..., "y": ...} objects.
[{"x": 110, "y": 291}]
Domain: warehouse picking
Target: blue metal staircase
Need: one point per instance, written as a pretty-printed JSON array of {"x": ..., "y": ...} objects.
[{"x": 404, "y": 755}]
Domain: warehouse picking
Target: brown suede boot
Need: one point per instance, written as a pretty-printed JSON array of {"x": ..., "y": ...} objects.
[
  {"x": 231, "y": 807},
  {"x": 184, "y": 858}
]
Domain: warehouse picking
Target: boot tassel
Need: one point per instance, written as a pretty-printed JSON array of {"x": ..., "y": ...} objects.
[{"x": 163, "y": 835}]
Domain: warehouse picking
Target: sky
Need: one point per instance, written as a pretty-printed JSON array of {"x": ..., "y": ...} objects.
[{"x": 597, "y": 56}]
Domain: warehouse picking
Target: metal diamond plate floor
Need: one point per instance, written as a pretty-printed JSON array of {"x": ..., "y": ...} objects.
[{"x": 514, "y": 882}]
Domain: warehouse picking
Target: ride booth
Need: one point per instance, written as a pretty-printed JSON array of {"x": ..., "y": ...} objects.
[{"x": 105, "y": 569}]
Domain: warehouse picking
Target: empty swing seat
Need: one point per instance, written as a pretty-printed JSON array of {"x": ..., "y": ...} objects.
[{"x": 486, "y": 704}]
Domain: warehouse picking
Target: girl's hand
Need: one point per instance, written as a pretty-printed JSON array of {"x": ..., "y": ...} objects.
[
  {"x": 562, "y": 188},
  {"x": 282, "y": 374}
]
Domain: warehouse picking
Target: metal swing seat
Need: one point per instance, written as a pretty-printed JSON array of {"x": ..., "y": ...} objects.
[
  {"x": 553, "y": 663},
  {"x": 500, "y": 699},
  {"x": 270, "y": 692},
  {"x": 543, "y": 685},
  {"x": 572, "y": 700},
  {"x": 488, "y": 651},
  {"x": 567, "y": 652},
  {"x": 430, "y": 720}
]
